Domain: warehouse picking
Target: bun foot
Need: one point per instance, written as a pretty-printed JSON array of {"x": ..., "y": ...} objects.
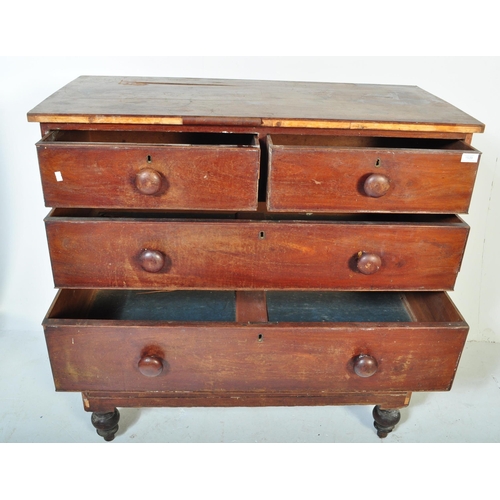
[
  {"x": 385, "y": 420},
  {"x": 106, "y": 423}
]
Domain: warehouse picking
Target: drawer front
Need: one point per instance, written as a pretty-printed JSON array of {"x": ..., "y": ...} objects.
[
  {"x": 241, "y": 254},
  {"x": 411, "y": 178},
  {"x": 151, "y": 175},
  {"x": 252, "y": 358}
]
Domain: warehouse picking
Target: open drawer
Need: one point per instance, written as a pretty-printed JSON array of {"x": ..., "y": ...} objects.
[
  {"x": 139, "y": 169},
  {"x": 116, "y": 249},
  {"x": 319, "y": 342},
  {"x": 370, "y": 174}
]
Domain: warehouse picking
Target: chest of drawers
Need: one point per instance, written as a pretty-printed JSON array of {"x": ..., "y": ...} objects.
[{"x": 248, "y": 243}]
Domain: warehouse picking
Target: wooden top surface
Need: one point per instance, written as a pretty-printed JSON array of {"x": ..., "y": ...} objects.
[{"x": 143, "y": 100}]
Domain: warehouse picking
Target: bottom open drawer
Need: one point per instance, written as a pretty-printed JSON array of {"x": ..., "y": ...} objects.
[{"x": 181, "y": 341}]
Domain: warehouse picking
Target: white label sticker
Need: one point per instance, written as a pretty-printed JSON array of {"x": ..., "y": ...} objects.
[
  {"x": 470, "y": 157},
  {"x": 59, "y": 176}
]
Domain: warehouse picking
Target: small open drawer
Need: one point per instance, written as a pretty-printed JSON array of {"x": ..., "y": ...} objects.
[
  {"x": 321, "y": 342},
  {"x": 370, "y": 174},
  {"x": 139, "y": 169}
]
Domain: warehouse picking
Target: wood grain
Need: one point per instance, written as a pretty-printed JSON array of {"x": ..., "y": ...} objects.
[
  {"x": 99, "y": 401},
  {"x": 266, "y": 357},
  {"x": 251, "y": 307},
  {"x": 245, "y": 254},
  {"x": 261, "y": 361},
  {"x": 327, "y": 174},
  {"x": 109, "y": 99},
  {"x": 102, "y": 171},
  {"x": 120, "y": 154}
]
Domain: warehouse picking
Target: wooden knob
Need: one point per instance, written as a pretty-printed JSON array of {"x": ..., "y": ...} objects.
[
  {"x": 376, "y": 185},
  {"x": 148, "y": 181},
  {"x": 368, "y": 263},
  {"x": 365, "y": 366},
  {"x": 150, "y": 366},
  {"x": 152, "y": 261}
]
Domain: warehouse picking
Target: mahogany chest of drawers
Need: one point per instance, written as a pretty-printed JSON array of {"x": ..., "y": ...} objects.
[{"x": 253, "y": 243}]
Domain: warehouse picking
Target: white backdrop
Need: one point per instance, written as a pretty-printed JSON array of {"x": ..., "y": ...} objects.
[{"x": 470, "y": 83}]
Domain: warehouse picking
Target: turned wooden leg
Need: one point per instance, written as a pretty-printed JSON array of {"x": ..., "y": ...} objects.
[
  {"x": 106, "y": 423},
  {"x": 385, "y": 420}
]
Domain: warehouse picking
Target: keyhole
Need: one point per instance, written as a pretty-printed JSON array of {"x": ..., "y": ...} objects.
[
  {"x": 149, "y": 159},
  {"x": 378, "y": 162},
  {"x": 262, "y": 235},
  {"x": 260, "y": 337}
]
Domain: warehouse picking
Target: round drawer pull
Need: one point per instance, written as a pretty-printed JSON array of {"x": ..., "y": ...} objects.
[
  {"x": 150, "y": 366},
  {"x": 148, "y": 181},
  {"x": 152, "y": 261},
  {"x": 365, "y": 365},
  {"x": 376, "y": 185},
  {"x": 368, "y": 263}
]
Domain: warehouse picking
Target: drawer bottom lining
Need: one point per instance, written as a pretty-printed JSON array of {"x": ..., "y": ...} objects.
[{"x": 221, "y": 306}]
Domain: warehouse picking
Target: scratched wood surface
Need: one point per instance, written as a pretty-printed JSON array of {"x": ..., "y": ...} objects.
[
  {"x": 231, "y": 358},
  {"x": 325, "y": 174},
  {"x": 105, "y": 402},
  {"x": 102, "y": 169},
  {"x": 181, "y": 101},
  {"x": 102, "y": 354},
  {"x": 248, "y": 254}
]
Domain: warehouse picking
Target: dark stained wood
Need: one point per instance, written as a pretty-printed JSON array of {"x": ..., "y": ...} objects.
[
  {"x": 210, "y": 299},
  {"x": 153, "y": 261},
  {"x": 262, "y": 131},
  {"x": 251, "y": 307},
  {"x": 110, "y": 99},
  {"x": 71, "y": 303},
  {"x": 100, "y": 401},
  {"x": 148, "y": 181},
  {"x": 150, "y": 366},
  {"x": 221, "y": 357},
  {"x": 365, "y": 366},
  {"x": 243, "y": 254},
  {"x": 385, "y": 420},
  {"x": 432, "y": 307},
  {"x": 376, "y": 185},
  {"x": 368, "y": 263},
  {"x": 104, "y": 173},
  {"x": 106, "y": 423},
  {"x": 103, "y": 355},
  {"x": 330, "y": 175}
]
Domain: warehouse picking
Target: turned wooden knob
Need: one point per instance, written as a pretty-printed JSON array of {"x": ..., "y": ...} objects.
[
  {"x": 150, "y": 366},
  {"x": 376, "y": 185},
  {"x": 365, "y": 365},
  {"x": 368, "y": 263},
  {"x": 148, "y": 181},
  {"x": 152, "y": 261}
]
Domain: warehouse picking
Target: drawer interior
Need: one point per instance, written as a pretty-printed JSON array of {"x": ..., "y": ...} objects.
[
  {"x": 145, "y": 137},
  {"x": 369, "y": 142},
  {"x": 252, "y": 307},
  {"x": 188, "y": 306},
  {"x": 333, "y": 307},
  {"x": 260, "y": 214}
]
